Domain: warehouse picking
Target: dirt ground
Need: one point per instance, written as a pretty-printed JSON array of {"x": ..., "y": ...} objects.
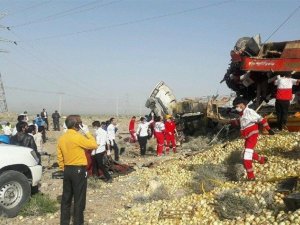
[{"x": 103, "y": 200}]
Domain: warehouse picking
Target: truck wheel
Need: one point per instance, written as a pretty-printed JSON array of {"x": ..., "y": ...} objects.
[{"x": 14, "y": 192}]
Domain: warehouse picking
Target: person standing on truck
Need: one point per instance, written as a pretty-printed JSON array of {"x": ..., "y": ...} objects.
[
  {"x": 248, "y": 122},
  {"x": 283, "y": 97},
  {"x": 170, "y": 133},
  {"x": 72, "y": 161}
]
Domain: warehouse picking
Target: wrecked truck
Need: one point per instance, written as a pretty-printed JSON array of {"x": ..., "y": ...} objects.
[
  {"x": 253, "y": 65},
  {"x": 191, "y": 114}
]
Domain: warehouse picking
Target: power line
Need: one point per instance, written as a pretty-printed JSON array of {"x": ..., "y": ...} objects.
[
  {"x": 82, "y": 86},
  {"x": 54, "y": 15},
  {"x": 134, "y": 21},
  {"x": 283, "y": 23},
  {"x": 65, "y": 13},
  {"x": 30, "y": 7}
]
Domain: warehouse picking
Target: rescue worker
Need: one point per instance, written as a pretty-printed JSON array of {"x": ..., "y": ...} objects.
[
  {"x": 283, "y": 97},
  {"x": 159, "y": 134},
  {"x": 132, "y": 132},
  {"x": 248, "y": 122},
  {"x": 170, "y": 133}
]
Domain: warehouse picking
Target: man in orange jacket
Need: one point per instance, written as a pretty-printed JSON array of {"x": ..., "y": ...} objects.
[{"x": 170, "y": 131}]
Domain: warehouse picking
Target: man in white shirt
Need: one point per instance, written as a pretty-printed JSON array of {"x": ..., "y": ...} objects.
[
  {"x": 100, "y": 152},
  {"x": 111, "y": 136},
  {"x": 7, "y": 129},
  {"x": 142, "y": 133}
]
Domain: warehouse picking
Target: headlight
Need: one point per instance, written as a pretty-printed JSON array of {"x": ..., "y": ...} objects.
[{"x": 33, "y": 153}]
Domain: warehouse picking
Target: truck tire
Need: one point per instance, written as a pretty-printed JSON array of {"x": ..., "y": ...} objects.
[{"x": 14, "y": 192}]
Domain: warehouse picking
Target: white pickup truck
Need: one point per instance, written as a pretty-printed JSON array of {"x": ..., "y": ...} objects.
[{"x": 19, "y": 177}]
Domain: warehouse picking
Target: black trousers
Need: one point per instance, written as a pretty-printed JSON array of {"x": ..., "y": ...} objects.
[
  {"x": 100, "y": 164},
  {"x": 116, "y": 150},
  {"x": 56, "y": 125},
  {"x": 282, "y": 108},
  {"x": 143, "y": 144},
  {"x": 74, "y": 185},
  {"x": 46, "y": 121}
]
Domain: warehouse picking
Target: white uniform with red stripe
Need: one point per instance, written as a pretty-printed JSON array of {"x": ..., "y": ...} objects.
[
  {"x": 284, "y": 88},
  {"x": 249, "y": 120},
  {"x": 159, "y": 133}
]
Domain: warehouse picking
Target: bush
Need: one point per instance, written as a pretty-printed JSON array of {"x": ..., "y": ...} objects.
[
  {"x": 38, "y": 205},
  {"x": 94, "y": 183},
  {"x": 207, "y": 177},
  {"x": 230, "y": 206}
]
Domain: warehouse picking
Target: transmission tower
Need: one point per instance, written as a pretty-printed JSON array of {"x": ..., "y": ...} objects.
[{"x": 3, "y": 105}]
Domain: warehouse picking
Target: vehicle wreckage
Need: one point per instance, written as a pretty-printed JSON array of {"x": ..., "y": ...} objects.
[
  {"x": 252, "y": 67},
  {"x": 191, "y": 114}
]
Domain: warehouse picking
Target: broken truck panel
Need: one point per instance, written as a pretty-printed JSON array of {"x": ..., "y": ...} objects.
[
  {"x": 161, "y": 100},
  {"x": 253, "y": 63}
]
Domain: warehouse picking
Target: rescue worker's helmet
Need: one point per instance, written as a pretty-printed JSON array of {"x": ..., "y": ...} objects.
[
  {"x": 4, "y": 139},
  {"x": 168, "y": 116},
  {"x": 239, "y": 100}
]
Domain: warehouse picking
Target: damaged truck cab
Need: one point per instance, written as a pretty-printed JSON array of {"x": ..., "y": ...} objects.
[{"x": 253, "y": 63}]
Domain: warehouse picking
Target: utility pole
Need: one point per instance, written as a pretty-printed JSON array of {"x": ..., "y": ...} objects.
[
  {"x": 60, "y": 97},
  {"x": 117, "y": 106},
  {"x": 3, "y": 104}
]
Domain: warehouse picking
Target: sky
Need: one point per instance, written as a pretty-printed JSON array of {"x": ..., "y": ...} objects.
[{"x": 106, "y": 56}]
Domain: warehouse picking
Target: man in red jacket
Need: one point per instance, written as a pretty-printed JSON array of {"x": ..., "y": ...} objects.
[
  {"x": 170, "y": 131},
  {"x": 248, "y": 122},
  {"x": 132, "y": 132}
]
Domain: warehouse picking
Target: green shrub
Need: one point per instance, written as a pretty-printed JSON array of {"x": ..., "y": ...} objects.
[{"x": 39, "y": 204}]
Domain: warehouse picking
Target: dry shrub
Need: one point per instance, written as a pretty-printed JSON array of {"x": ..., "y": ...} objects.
[
  {"x": 230, "y": 206},
  {"x": 94, "y": 183},
  {"x": 207, "y": 177},
  {"x": 160, "y": 193},
  {"x": 269, "y": 199}
]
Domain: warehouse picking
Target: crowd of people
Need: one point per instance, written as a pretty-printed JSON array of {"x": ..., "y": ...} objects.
[
  {"x": 29, "y": 133},
  {"x": 163, "y": 130},
  {"x": 81, "y": 154}
]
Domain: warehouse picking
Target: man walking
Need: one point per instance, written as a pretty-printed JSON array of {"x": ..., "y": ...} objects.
[
  {"x": 55, "y": 117},
  {"x": 159, "y": 134},
  {"x": 248, "y": 122},
  {"x": 71, "y": 159},
  {"x": 143, "y": 134}
]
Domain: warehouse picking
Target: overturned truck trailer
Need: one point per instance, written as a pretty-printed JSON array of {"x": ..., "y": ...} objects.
[
  {"x": 253, "y": 63},
  {"x": 191, "y": 114}
]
